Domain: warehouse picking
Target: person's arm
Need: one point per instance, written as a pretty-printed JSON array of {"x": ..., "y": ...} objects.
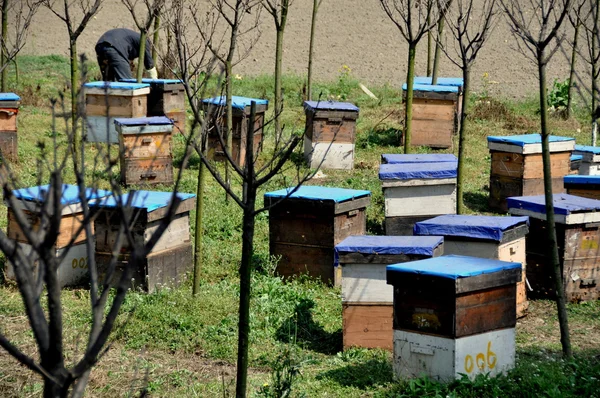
[{"x": 148, "y": 61}]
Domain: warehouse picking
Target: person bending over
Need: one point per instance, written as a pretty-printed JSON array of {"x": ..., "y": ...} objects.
[{"x": 116, "y": 48}]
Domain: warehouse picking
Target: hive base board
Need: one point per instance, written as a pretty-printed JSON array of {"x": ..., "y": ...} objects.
[
  {"x": 338, "y": 156},
  {"x": 368, "y": 325}
]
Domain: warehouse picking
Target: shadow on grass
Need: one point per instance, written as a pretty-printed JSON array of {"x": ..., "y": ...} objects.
[
  {"x": 379, "y": 137},
  {"x": 476, "y": 201},
  {"x": 368, "y": 373},
  {"x": 308, "y": 334}
]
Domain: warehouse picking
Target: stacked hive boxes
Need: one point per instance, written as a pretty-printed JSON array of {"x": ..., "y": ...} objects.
[
  {"x": 585, "y": 186},
  {"x": 367, "y": 302},
  {"x": 330, "y": 134},
  {"x": 9, "y": 109},
  {"x": 578, "y": 236},
  {"x": 590, "y": 159}
]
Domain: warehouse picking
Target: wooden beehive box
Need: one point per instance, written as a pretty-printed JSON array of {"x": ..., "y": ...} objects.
[
  {"x": 9, "y": 109},
  {"x": 105, "y": 101},
  {"x": 585, "y": 186},
  {"x": 73, "y": 269},
  {"x": 215, "y": 109},
  {"x": 453, "y": 315},
  {"x": 578, "y": 236},
  {"x": 517, "y": 167},
  {"x": 145, "y": 150},
  {"x": 367, "y": 301},
  {"x": 330, "y": 134},
  {"x": 434, "y": 114},
  {"x": 590, "y": 162},
  {"x": 166, "y": 98},
  {"x": 172, "y": 255},
  {"x": 575, "y": 164},
  {"x": 305, "y": 227},
  {"x": 396, "y": 158},
  {"x": 499, "y": 238},
  {"x": 415, "y": 192}
]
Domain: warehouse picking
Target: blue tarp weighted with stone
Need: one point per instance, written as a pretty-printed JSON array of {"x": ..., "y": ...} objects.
[
  {"x": 148, "y": 200},
  {"x": 311, "y": 192},
  {"x": 478, "y": 227},
  {"x": 564, "y": 204},
  {"x": 236, "y": 101},
  {"x": 418, "y": 171},
  {"x": 418, "y": 158}
]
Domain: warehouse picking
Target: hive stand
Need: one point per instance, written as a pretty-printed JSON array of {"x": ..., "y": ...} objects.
[{"x": 9, "y": 110}]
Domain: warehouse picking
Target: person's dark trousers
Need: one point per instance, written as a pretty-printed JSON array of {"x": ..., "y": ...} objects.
[{"x": 113, "y": 65}]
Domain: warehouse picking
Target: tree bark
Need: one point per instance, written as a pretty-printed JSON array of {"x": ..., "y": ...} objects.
[
  {"x": 74, "y": 86},
  {"x": 140, "y": 66},
  {"x": 311, "y": 48},
  {"x": 572, "y": 70},
  {"x": 228, "y": 123},
  {"x": 3, "y": 55},
  {"x": 460, "y": 207},
  {"x": 438, "y": 50},
  {"x": 410, "y": 78},
  {"x": 278, "y": 93},
  {"x": 155, "y": 38},
  {"x": 553, "y": 244},
  {"x": 199, "y": 229},
  {"x": 429, "y": 44}
]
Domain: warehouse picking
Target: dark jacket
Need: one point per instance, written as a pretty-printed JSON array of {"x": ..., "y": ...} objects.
[{"x": 127, "y": 43}]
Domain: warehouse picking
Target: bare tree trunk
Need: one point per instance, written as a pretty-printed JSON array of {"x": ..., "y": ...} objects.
[
  {"x": 228, "y": 123},
  {"x": 429, "y": 44},
  {"x": 156, "y": 38},
  {"x": 74, "y": 86},
  {"x": 311, "y": 48},
  {"x": 278, "y": 92},
  {"x": 199, "y": 229},
  {"x": 553, "y": 245},
  {"x": 460, "y": 207},
  {"x": 3, "y": 55},
  {"x": 438, "y": 50},
  {"x": 410, "y": 79},
  {"x": 572, "y": 70},
  {"x": 140, "y": 66}
]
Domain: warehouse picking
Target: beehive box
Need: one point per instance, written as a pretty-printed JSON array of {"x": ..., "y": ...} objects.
[
  {"x": 517, "y": 167},
  {"x": 395, "y": 158},
  {"x": 452, "y": 315},
  {"x": 215, "y": 109},
  {"x": 9, "y": 109},
  {"x": 590, "y": 162},
  {"x": 166, "y": 98},
  {"x": 578, "y": 236},
  {"x": 585, "y": 186},
  {"x": 305, "y": 227},
  {"x": 145, "y": 152},
  {"x": 367, "y": 301},
  {"x": 434, "y": 114},
  {"x": 446, "y": 81},
  {"x": 330, "y": 134},
  {"x": 73, "y": 270},
  {"x": 576, "y": 161},
  {"x": 499, "y": 238},
  {"x": 105, "y": 101},
  {"x": 172, "y": 254},
  {"x": 415, "y": 192}
]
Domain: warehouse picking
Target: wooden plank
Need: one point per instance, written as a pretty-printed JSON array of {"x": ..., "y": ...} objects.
[
  {"x": 359, "y": 204},
  {"x": 353, "y": 222},
  {"x": 115, "y": 105},
  {"x": 295, "y": 260},
  {"x": 592, "y": 192},
  {"x": 185, "y": 206},
  {"x": 368, "y": 326},
  {"x": 502, "y": 187},
  {"x": 432, "y": 133},
  {"x": 529, "y": 166},
  {"x": 486, "y": 310},
  {"x": 431, "y": 95},
  {"x": 515, "y": 252},
  {"x": 333, "y": 130},
  {"x": 336, "y": 156},
  {"x": 302, "y": 229},
  {"x": 145, "y": 145},
  {"x": 147, "y": 171},
  {"x": 363, "y": 258},
  {"x": 9, "y": 145},
  {"x": 434, "y": 110},
  {"x": 488, "y": 281},
  {"x": 105, "y": 91},
  {"x": 168, "y": 98},
  {"x": 179, "y": 120},
  {"x": 420, "y": 200},
  {"x": 8, "y": 119},
  {"x": 326, "y": 114}
]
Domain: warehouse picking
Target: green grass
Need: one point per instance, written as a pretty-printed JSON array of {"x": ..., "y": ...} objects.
[{"x": 179, "y": 345}]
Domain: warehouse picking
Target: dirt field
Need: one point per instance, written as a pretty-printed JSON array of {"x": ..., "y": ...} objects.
[{"x": 356, "y": 33}]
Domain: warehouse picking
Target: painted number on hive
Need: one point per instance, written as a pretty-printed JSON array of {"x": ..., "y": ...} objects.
[
  {"x": 482, "y": 361},
  {"x": 79, "y": 263}
]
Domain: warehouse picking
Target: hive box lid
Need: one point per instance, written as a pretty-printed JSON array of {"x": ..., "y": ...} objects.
[
  {"x": 588, "y": 152},
  {"x": 9, "y": 97},
  {"x": 146, "y": 200},
  {"x": 311, "y": 192},
  {"x": 468, "y": 273},
  {"x": 476, "y": 227},
  {"x": 144, "y": 125},
  {"x": 582, "y": 180},
  {"x": 529, "y": 143},
  {"x": 576, "y": 158},
  {"x": 116, "y": 88},
  {"x": 397, "y": 158},
  {"x": 408, "y": 245},
  {"x": 330, "y": 106},
  {"x": 425, "y": 171},
  {"x": 568, "y": 209},
  {"x": 441, "y": 81},
  {"x": 432, "y": 88},
  {"x": 236, "y": 102},
  {"x": 154, "y": 81},
  {"x": 31, "y": 198},
  {"x": 143, "y": 121}
]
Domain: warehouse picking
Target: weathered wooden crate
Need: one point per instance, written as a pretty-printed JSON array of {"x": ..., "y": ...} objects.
[
  {"x": 9, "y": 109},
  {"x": 590, "y": 162},
  {"x": 575, "y": 164},
  {"x": 170, "y": 258},
  {"x": 215, "y": 109},
  {"x": 499, "y": 238},
  {"x": 166, "y": 95},
  {"x": 415, "y": 192},
  {"x": 585, "y": 186},
  {"x": 396, "y": 158},
  {"x": 578, "y": 236},
  {"x": 105, "y": 101},
  {"x": 305, "y": 227},
  {"x": 145, "y": 150},
  {"x": 330, "y": 134},
  {"x": 367, "y": 301},
  {"x": 517, "y": 167}
]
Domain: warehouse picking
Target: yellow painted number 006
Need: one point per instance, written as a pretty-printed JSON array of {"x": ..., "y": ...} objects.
[{"x": 481, "y": 360}]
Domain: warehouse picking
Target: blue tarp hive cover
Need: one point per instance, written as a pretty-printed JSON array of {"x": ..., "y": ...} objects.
[
  {"x": 331, "y": 106},
  {"x": 588, "y": 148},
  {"x": 583, "y": 180},
  {"x": 478, "y": 227},
  {"x": 154, "y": 81},
  {"x": 432, "y": 88},
  {"x": 408, "y": 171},
  {"x": 149, "y": 200},
  {"x": 116, "y": 85},
  {"x": 441, "y": 81},
  {"x": 9, "y": 97},
  {"x": 396, "y": 158},
  {"x": 522, "y": 140},
  {"x": 143, "y": 121},
  {"x": 370, "y": 244},
  {"x": 564, "y": 204},
  {"x": 311, "y": 192},
  {"x": 236, "y": 102},
  {"x": 575, "y": 158},
  {"x": 452, "y": 267},
  {"x": 70, "y": 194}
]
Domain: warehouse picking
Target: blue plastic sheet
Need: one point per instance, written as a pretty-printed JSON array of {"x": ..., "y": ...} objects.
[
  {"x": 397, "y": 158},
  {"x": 522, "y": 140},
  {"x": 330, "y": 106},
  {"x": 575, "y": 158},
  {"x": 452, "y": 267},
  {"x": 149, "y": 200},
  {"x": 582, "y": 180},
  {"x": 9, "y": 97},
  {"x": 311, "y": 192},
  {"x": 478, "y": 227},
  {"x": 143, "y": 121},
  {"x": 116, "y": 85},
  {"x": 441, "y": 81},
  {"x": 70, "y": 194},
  {"x": 587, "y": 149},
  {"x": 370, "y": 244},
  {"x": 154, "y": 81},
  {"x": 432, "y": 88},
  {"x": 564, "y": 204},
  {"x": 236, "y": 102},
  {"x": 418, "y": 170}
]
